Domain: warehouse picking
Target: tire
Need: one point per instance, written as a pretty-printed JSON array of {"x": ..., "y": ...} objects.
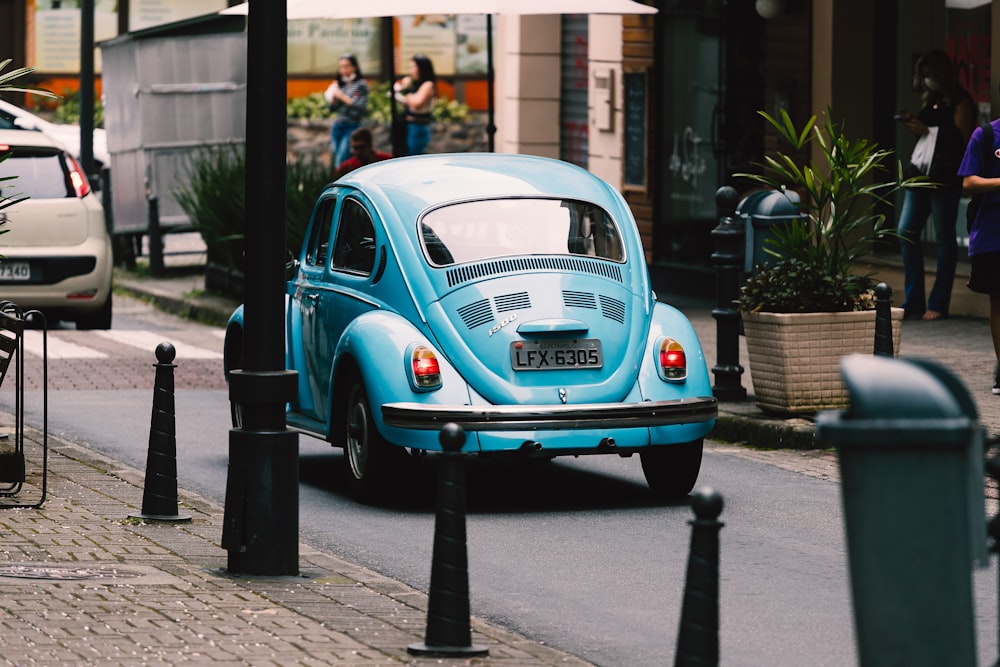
[
  {"x": 97, "y": 320},
  {"x": 672, "y": 470},
  {"x": 234, "y": 357},
  {"x": 371, "y": 461}
]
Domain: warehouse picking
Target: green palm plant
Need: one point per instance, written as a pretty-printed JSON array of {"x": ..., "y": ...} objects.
[
  {"x": 7, "y": 85},
  {"x": 842, "y": 198}
]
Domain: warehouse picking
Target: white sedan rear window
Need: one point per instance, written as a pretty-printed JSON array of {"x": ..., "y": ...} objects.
[
  {"x": 39, "y": 175},
  {"x": 484, "y": 229}
]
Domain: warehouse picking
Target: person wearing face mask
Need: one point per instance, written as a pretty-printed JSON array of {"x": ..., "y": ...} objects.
[
  {"x": 348, "y": 97},
  {"x": 942, "y": 127}
]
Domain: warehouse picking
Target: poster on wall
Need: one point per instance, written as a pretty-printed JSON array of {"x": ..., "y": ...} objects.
[
  {"x": 315, "y": 46},
  {"x": 149, "y": 13},
  {"x": 432, "y": 35},
  {"x": 470, "y": 39},
  {"x": 57, "y": 33}
]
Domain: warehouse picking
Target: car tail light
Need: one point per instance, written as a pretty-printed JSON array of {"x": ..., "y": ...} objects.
[
  {"x": 671, "y": 362},
  {"x": 424, "y": 368},
  {"x": 81, "y": 186}
]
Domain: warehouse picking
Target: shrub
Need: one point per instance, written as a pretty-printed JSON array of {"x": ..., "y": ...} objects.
[
  {"x": 313, "y": 106},
  {"x": 214, "y": 200},
  {"x": 68, "y": 109},
  {"x": 841, "y": 195}
]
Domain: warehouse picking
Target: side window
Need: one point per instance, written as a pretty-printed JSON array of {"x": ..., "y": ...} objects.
[
  {"x": 319, "y": 243},
  {"x": 354, "y": 248}
]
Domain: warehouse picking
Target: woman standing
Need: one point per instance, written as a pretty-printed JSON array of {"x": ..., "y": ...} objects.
[
  {"x": 416, "y": 92},
  {"x": 348, "y": 97},
  {"x": 946, "y": 119}
]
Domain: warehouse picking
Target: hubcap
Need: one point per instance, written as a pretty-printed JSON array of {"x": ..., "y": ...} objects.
[{"x": 357, "y": 437}]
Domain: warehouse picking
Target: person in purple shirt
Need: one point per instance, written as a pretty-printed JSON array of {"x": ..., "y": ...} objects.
[{"x": 984, "y": 238}]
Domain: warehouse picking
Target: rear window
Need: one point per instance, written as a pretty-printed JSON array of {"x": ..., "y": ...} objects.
[
  {"x": 477, "y": 230},
  {"x": 40, "y": 175}
]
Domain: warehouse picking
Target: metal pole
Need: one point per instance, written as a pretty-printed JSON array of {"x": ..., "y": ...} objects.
[
  {"x": 261, "y": 519},
  {"x": 491, "y": 128},
  {"x": 728, "y": 237},
  {"x": 87, "y": 88}
]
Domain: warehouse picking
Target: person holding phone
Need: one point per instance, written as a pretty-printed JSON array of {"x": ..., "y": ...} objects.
[{"x": 943, "y": 126}]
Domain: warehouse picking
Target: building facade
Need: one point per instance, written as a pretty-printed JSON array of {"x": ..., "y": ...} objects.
[{"x": 663, "y": 106}]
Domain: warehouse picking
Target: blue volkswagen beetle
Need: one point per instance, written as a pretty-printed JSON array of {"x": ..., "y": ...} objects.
[{"x": 508, "y": 294}]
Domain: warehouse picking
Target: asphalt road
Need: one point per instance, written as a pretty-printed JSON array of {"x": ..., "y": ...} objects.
[{"x": 572, "y": 553}]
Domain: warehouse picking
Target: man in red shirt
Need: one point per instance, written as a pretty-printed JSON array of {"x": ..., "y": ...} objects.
[{"x": 362, "y": 152}]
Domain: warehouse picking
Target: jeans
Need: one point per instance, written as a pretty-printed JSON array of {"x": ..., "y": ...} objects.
[
  {"x": 340, "y": 140},
  {"x": 918, "y": 205},
  {"x": 418, "y": 136}
]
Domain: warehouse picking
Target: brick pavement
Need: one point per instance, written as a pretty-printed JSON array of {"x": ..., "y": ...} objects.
[{"x": 83, "y": 583}]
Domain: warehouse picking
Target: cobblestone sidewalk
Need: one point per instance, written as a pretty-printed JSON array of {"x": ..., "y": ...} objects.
[{"x": 82, "y": 583}]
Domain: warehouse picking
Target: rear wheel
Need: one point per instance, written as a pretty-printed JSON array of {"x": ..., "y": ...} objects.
[
  {"x": 371, "y": 461},
  {"x": 100, "y": 319},
  {"x": 672, "y": 470}
]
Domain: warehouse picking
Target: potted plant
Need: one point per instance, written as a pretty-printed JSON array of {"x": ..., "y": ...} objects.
[{"x": 804, "y": 311}]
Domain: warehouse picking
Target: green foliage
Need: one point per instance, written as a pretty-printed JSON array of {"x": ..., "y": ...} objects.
[
  {"x": 7, "y": 79},
  {"x": 314, "y": 107},
  {"x": 796, "y": 286},
  {"x": 214, "y": 201},
  {"x": 6, "y": 84},
  {"x": 68, "y": 110},
  {"x": 842, "y": 198}
]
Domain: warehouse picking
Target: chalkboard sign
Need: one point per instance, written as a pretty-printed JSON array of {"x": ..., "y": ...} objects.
[{"x": 635, "y": 130}]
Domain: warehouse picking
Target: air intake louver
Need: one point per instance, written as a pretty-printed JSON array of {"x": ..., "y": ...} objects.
[
  {"x": 463, "y": 274},
  {"x": 579, "y": 300},
  {"x": 508, "y": 302},
  {"x": 613, "y": 309},
  {"x": 476, "y": 313}
]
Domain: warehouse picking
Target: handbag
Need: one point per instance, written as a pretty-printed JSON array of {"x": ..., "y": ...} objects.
[
  {"x": 977, "y": 199},
  {"x": 923, "y": 151}
]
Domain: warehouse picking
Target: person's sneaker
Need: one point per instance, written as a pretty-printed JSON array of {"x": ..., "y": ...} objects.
[{"x": 996, "y": 380}]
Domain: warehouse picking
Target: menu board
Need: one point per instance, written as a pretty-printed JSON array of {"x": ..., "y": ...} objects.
[{"x": 635, "y": 130}]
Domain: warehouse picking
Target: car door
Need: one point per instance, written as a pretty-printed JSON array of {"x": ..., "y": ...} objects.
[
  {"x": 331, "y": 304},
  {"x": 305, "y": 298}
]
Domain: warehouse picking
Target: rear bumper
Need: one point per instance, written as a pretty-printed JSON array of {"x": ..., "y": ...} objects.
[{"x": 420, "y": 416}]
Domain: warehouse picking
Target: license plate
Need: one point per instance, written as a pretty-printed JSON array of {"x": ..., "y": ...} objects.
[
  {"x": 14, "y": 270},
  {"x": 554, "y": 355}
]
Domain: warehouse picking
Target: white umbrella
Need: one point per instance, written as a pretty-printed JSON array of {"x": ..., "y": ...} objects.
[
  {"x": 338, "y": 9},
  {"x": 334, "y": 9}
]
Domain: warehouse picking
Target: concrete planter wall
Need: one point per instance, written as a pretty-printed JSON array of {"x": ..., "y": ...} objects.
[{"x": 795, "y": 357}]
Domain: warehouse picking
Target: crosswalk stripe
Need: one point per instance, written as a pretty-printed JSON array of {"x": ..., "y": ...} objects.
[
  {"x": 148, "y": 340},
  {"x": 57, "y": 348}
]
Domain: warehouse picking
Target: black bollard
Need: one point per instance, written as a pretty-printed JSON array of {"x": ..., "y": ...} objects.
[
  {"x": 698, "y": 637},
  {"x": 448, "y": 632},
  {"x": 993, "y": 527},
  {"x": 159, "y": 498},
  {"x": 155, "y": 237},
  {"x": 883, "y": 321},
  {"x": 728, "y": 238}
]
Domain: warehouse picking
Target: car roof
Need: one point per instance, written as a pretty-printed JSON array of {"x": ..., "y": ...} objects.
[
  {"x": 414, "y": 184},
  {"x": 29, "y": 138}
]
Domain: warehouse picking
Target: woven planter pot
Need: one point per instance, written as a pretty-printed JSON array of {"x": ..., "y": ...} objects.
[{"x": 795, "y": 357}]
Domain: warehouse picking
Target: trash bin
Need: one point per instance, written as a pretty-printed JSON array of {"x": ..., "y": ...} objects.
[
  {"x": 911, "y": 464},
  {"x": 760, "y": 212}
]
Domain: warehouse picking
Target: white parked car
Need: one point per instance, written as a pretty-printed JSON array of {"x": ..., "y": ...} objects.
[
  {"x": 13, "y": 117},
  {"x": 55, "y": 255}
]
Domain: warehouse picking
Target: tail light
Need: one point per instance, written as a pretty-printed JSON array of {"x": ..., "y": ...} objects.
[
  {"x": 425, "y": 372},
  {"x": 671, "y": 362},
  {"x": 81, "y": 186}
]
